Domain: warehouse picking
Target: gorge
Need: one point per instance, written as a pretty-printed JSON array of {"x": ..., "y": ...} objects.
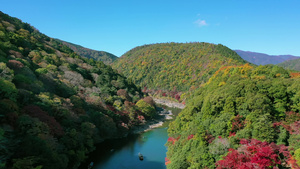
[{"x": 57, "y": 104}]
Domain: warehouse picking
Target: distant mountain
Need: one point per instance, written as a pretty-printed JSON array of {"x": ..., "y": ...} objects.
[
  {"x": 103, "y": 56},
  {"x": 291, "y": 64},
  {"x": 264, "y": 59},
  {"x": 175, "y": 66}
]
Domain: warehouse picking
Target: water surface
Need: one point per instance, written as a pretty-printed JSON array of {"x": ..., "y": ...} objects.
[{"x": 123, "y": 153}]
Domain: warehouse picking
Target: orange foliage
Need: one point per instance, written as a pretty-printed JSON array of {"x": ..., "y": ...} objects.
[
  {"x": 226, "y": 68},
  {"x": 244, "y": 68},
  {"x": 293, "y": 163},
  {"x": 294, "y": 74},
  {"x": 167, "y": 161},
  {"x": 173, "y": 140}
]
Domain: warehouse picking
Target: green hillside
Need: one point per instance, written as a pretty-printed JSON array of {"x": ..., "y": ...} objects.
[
  {"x": 105, "y": 57},
  {"x": 176, "y": 67},
  {"x": 55, "y": 105},
  {"x": 243, "y": 117},
  {"x": 291, "y": 64}
]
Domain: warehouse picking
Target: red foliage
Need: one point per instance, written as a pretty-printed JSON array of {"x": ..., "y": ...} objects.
[
  {"x": 14, "y": 64},
  {"x": 164, "y": 94},
  {"x": 15, "y": 53},
  {"x": 173, "y": 93},
  {"x": 291, "y": 122},
  {"x": 190, "y": 136},
  {"x": 111, "y": 108},
  {"x": 167, "y": 161},
  {"x": 295, "y": 127},
  {"x": 177, "y": 97},
  {"x": 237, "y": 123},
  {"x": 141, "y": 118},
  {"x": 291, "y": 117},
  {"x": 37, "y": 112},
  {"x": 123, "y": 93},
  {"x": 209, "y": 137},
  {"x": 231, "y": 134},
  {"x": 128, "y": 104},
  {"x": 276, "y": 124},
  {"x": 255, "y": 154},
  {"x": 144, "y": 90},
  {"x": 173, "y": 140}
]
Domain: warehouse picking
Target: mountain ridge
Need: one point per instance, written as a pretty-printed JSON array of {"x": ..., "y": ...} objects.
[
  {"x": 263, "y": 59},
  {"x": 103, "y": 56},
  {"x": 291, "y": 64},
  {"x": 172, "y": 68}
]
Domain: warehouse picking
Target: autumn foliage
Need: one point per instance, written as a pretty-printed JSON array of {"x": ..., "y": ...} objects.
[
  {"x": 167, "y": 161},
  {"x": 173, "y": 140},
  {"x": 37, "y": 112},
  {"x": 294, "y": 74},
  {"x": 255, "y": 154}
]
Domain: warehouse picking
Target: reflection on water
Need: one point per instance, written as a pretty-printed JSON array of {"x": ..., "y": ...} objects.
[{"x": 123, "y": 153}]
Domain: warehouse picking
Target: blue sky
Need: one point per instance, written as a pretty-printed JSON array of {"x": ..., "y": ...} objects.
[{"x": 116, "y": 26}]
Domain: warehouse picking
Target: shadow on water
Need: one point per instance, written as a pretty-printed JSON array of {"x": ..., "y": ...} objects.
[{"x": 123, "y": 153}]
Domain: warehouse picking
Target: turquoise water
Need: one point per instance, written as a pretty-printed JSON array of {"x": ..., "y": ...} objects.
[
  {"x": 123, "y": 153},
  {"x": 150, "y": 144}
]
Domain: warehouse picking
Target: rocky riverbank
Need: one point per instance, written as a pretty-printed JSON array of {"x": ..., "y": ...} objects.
[
  {"x": 169, "y": 103},
  {"x": 162, "y": 116}
]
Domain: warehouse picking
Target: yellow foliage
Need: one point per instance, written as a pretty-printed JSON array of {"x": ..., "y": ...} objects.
[
  {"x": 244, "y": 68},
  {"x": 222, "y": 83},
  {"x": 260, "y": 77}
]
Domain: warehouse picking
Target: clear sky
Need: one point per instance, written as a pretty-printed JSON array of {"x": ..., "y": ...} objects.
[{"x": 116, "y": 26}]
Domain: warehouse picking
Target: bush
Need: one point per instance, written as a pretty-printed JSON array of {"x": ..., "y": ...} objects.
[{"x": 146, "y": 108}]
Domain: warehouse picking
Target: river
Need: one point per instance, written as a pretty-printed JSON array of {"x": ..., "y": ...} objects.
[{"x": 123, "y": 153}]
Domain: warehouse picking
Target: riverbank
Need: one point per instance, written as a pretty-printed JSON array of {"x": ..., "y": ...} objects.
[
  {"x": 109, "y": 147},
  {"x": 169, "y": 103},
  {"x": 161, "y": 117}
]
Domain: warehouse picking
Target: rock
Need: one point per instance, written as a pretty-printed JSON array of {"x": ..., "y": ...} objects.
[{"x": 169, "y": 103}]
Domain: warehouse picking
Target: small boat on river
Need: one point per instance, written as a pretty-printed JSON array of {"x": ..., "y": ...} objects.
[
  {"x": 141, "y": 157},
  {"x": 90, "y": 165}
]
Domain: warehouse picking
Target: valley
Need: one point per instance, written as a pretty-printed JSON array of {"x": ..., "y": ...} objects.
[{"x": 64, "y": 106}]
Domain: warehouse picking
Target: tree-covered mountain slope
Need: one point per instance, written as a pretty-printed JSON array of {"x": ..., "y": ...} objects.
[
  {"x": 103, "y": 56},
  {"x": 243, "y": 117},
  {"x": 264, "y": 59},
  {"x": 291, "y": 64},
  {"x": 54, "y": 104},
  {"x": 175, "y": 66}
]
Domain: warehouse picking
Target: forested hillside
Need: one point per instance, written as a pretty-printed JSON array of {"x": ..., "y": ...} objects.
[
  {"x": 291, "y": 64},
  {"x": 264, "y": 59},
  {"x": 175, "y": 67},
  {"x": 54, "y": 104},
  {"x": 105, "y": 57},
  {"x": 243, "y": 117}
]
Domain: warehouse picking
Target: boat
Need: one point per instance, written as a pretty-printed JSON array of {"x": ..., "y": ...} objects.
[
  {"x": 90, "y": 165},
  {"x": 141, "y": 157}
]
